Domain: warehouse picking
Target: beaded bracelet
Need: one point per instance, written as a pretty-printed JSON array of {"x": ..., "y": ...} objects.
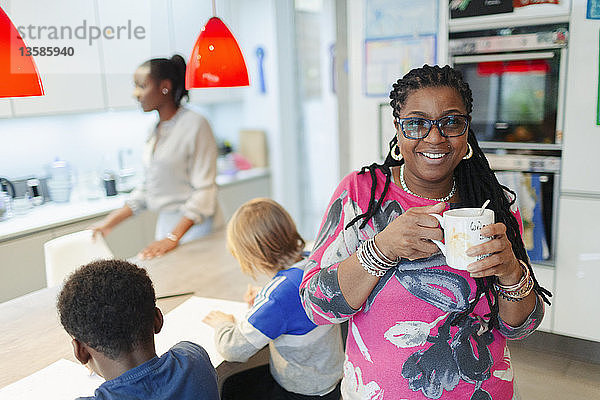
[
  {"x": 373, "y": 260},
  {"x": 382, "y": 256},
  {"x": 519, "y": 290},
  {"x": 368, "y": 263}
]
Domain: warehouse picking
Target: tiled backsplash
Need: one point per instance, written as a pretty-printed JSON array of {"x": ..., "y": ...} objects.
[{"x": 90, "y": 142}]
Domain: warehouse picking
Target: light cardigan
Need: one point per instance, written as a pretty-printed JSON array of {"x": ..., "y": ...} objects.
[{"x": 180, "y": 168}]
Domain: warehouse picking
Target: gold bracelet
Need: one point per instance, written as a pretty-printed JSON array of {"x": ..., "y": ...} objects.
[
  {"x": 521, "y": 283},
  {"x": 518, "y": 295},
  {"x": 520, "y": 290}
]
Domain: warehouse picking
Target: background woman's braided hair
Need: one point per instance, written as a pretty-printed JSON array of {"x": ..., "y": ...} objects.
[
  {"x": 172, "y": 69},
  {"x": 475, "y": 180}
]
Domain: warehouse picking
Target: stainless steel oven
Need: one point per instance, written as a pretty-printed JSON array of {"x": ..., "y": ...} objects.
[
  {"x": 535, "y": 180},
  {"x": 517, "y": 76}
]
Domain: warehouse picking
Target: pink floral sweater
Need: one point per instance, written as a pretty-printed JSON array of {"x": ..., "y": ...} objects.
[{"x": 401, "y": 344}]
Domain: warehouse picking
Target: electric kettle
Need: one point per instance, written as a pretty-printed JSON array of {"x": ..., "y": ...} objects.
[{"x": 7, "y": 193}]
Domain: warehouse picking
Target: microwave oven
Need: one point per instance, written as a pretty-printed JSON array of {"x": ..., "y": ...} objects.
[{"x": 517, "y": 76}]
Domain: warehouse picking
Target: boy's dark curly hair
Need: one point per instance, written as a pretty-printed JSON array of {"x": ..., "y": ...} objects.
[{"x": 108, "y": 305}]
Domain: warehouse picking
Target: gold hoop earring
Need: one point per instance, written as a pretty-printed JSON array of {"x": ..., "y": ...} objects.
[
  {"x": 469, "y": 153},
  {"x": 395, "y": 152}
]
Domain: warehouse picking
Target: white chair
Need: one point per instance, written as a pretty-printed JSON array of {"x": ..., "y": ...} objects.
[{"x": 66, "y": 253}]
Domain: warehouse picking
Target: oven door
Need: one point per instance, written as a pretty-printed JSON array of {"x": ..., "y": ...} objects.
[
  {"x": 535, "y": 201},
  {"x": 517, "y": 97},
  {"x": 535, "y": 181}
]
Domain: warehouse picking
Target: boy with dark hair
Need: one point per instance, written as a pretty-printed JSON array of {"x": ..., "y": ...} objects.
[{"x": 108, "y": 307}]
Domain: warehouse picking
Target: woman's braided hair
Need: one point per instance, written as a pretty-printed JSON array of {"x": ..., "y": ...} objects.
[
  {"x": 475, "y": 180},
  {"x": 172, "y": 69}
]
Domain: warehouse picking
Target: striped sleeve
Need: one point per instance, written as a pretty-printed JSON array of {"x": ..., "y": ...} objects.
[{"x": 526, "y": 328}]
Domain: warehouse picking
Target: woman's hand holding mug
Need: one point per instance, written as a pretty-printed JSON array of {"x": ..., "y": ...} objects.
[
  {"x": 463, "y": 230},
  {"x": 476, "y": 244},
  {"x": 411, "y": 234},
  {"x": 501, "y": 260}
]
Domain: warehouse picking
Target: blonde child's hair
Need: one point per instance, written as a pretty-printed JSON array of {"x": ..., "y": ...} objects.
[{"x": 262, "y": 236}]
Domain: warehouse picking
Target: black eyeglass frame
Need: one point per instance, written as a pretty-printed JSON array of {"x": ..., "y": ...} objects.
[{"x": 432, "y": 122}]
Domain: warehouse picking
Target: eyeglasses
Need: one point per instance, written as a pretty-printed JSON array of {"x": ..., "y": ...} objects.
[{"x": 419, "y": 128}]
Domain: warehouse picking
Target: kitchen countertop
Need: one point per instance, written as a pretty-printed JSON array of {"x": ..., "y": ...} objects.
[{"x": 51, "y": 215}]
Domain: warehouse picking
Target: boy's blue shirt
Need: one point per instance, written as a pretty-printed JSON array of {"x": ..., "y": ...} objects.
[{"x": 184, "y": 372}]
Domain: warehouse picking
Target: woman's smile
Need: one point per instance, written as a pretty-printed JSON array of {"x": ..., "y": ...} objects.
[{"x": 434, "y": 156}]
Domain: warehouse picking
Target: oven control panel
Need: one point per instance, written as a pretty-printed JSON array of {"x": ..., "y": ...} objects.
[
  {"x": 518, "y": 162},
  {"x": 501, "y": 43}
]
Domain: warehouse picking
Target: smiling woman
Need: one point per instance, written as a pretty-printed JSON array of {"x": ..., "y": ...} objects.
[{"x": 419, "y": 329}]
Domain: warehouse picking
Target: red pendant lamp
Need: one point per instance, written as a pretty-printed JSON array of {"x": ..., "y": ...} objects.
[
  {"x": 216, "y": 60},
  {"x": 18, "y": 74}
]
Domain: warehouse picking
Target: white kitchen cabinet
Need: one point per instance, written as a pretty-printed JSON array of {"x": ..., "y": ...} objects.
[
  {"x": 580, "y": 162},
  {"x": 126, "y": 240},
  {"x": 100, "y": 73},
  {"x": 578, "y": 269},
  {"x": 22, "y": 268},
  {"x": 23, "y": 265},
  {"x": 233, "y": 195},
  {"x": 63, "y": 93},
  {"x": 5, "y": 109},
  {"x": 74, "y": 227},
  {"x": 121, "y": 57},
  {"x": 189, "y": 16},
  {"x": 71, "y": 83},
  {"x": 131, "y": 236},
  {"x": 545, "y": 277}
]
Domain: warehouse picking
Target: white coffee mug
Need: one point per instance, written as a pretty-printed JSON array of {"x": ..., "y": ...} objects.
[{"x": 462, "y": 230}]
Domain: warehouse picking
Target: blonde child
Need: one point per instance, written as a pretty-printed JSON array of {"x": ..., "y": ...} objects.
[{"x": 305, "y": 359}]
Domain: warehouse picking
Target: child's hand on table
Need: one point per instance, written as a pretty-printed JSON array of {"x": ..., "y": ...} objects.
[
  {"x": 251, "y": 293},
  {"x": 215, "y": 318}
]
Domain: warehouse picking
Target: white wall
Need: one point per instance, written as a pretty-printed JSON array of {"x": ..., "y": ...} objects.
[
  {"x": 319, "y": 120},
  {"x": 88, "y": 141},
  {"x": 270, "y": 24},
  {"x": 363, "y": 110}
]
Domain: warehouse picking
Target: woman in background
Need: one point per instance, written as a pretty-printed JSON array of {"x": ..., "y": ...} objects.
[
  {"x": 179, "y": 162},
  {"x": 305, "y": 360}
]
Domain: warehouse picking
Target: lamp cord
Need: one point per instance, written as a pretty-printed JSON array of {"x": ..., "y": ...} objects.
[{"x": 214, "y": 8}]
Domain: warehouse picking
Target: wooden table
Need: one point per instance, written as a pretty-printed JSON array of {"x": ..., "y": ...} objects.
[{"x": 31, "y": 337}]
